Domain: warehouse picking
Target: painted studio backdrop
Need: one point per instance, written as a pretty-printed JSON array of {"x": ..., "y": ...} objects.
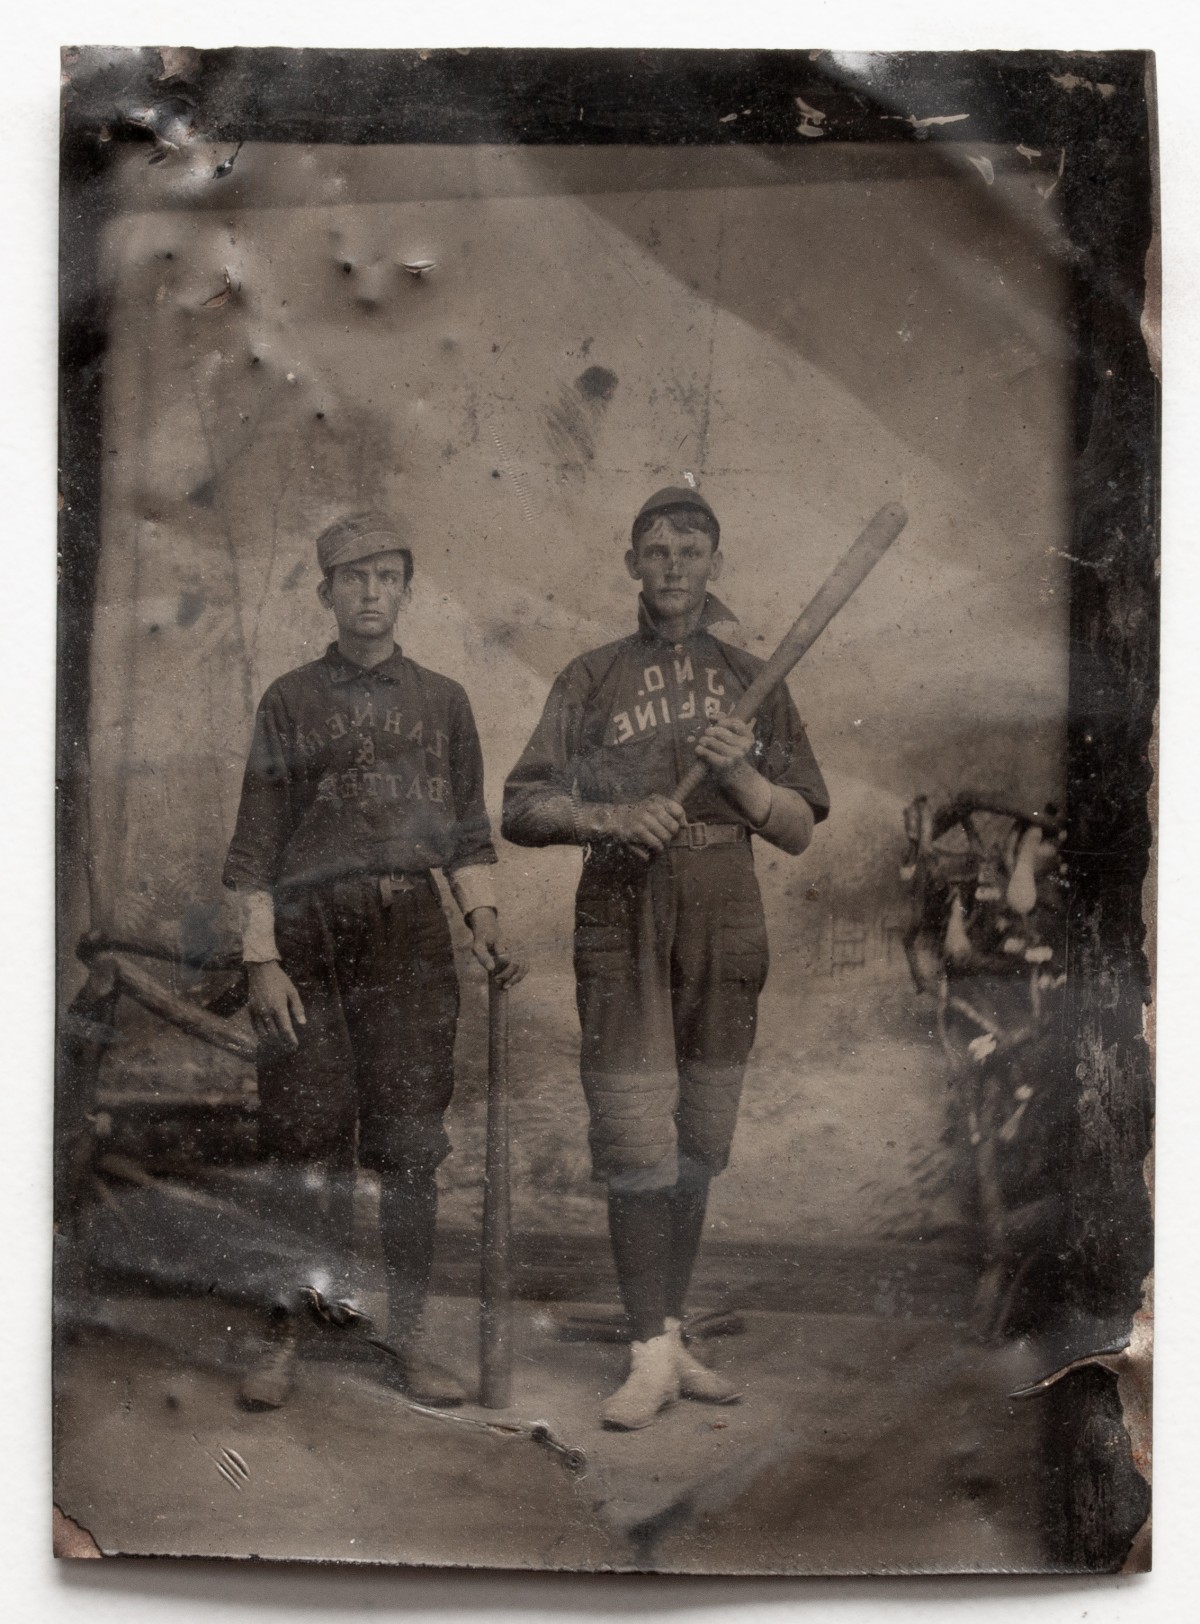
[
  {"x": 512, "y": 348},
  {"x": 507, "y": 296}
]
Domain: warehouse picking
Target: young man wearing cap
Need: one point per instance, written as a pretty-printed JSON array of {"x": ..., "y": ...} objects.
[
  {"x": 365, "y": 774},
  {"x": 670, "y": 941}
]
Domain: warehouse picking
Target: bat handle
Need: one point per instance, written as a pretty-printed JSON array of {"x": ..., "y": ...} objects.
[
  {"x": 495, "y": 1320},
  {"x": 690, "y": 782}
]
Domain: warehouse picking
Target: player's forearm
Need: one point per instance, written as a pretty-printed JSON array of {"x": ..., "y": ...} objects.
[
  {"x": 749, "y": 791},
  {"x": 775, "y": 813},
  {"x": 557, "y": 819},
  {"x": 258, "y": 926},
  {"x": 473, "y": 886},
  {"x": 789, "y": 822},
  {"x": 542, "y": 818}
]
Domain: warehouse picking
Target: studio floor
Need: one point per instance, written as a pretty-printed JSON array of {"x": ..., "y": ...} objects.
[{"x": 864, "y": 1443}]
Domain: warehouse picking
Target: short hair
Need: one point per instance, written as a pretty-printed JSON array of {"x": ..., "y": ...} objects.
[{"x": 683, "y": 518}]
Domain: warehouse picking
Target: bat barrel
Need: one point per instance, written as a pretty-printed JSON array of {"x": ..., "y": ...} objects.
[
  {"x": 495, "y": 1323},
  {"x": 839, "y": 586}
]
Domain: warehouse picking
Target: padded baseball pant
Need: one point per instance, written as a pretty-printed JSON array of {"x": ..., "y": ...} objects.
[{"x": 670, "y": 959}]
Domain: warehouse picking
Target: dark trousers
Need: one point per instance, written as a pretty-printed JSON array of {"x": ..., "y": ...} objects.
[
  {"x": 670, "y": 958},
  {"x": 376, "y": 1054},
  {"x": 374, "y": 1071}
]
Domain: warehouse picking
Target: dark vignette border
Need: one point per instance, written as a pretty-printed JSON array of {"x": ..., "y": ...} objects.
[{"x": 1043, "y": 99}]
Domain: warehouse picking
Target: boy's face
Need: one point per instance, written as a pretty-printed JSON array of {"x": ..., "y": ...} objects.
[
  {"x": 366, "y": 596},
  {"x": 675, "y": 568}
]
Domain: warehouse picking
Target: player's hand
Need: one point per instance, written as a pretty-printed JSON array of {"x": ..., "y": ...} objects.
[
  {"x": 725, "y": 747},
  {"x": 276, "y": 1010},
  {"x": 647, "y": 826},
  {"x": 505, "y": 968}
]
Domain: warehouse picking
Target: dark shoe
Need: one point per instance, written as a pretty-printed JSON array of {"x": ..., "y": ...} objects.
[
  {"x": 267, "y": 1385},
  {"x": 423, "y": 1380}
]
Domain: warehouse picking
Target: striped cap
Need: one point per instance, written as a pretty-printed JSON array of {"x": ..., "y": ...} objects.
[
  {"x": 360, "y": 535},
  {"x": 673, "y": 496}
]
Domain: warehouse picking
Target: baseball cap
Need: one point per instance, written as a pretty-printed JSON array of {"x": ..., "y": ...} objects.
[
  {"x": 674, "y": 496},
  {"x": 360, "y": 535}
]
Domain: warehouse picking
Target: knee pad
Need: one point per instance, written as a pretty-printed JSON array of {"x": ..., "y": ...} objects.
[{"x": 663, "y": 1175}]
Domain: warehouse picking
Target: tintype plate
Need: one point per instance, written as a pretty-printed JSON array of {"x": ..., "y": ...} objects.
[{"x": 495, "y": 300}]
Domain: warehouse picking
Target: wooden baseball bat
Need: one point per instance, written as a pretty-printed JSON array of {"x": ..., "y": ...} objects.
[
  {"x": 495, "y": 1320},
  {"x": 840, "y": 585}
]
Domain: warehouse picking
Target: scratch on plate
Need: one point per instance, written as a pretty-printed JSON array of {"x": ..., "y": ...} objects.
[
  {"x": 518, "y": 479},
  {"x": 1045, "y": 191},
  {"x": 224, "y": 296},
  {"x": 225, "y": 167},
  {"x": 925, "y": 123},
  {"x": 811, "y": 119},
  {"x": 537, "y": 1432},
  {"x": 229, "y": 1464}
]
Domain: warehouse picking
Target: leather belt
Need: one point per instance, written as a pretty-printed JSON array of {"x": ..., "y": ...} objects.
[{"x": 696, "y": 836}]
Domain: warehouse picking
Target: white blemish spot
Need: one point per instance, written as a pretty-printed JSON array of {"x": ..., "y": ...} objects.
[
  {"x": 811, "y": 119},
  {"x": 984, "y": 166},
  {"x": 1045, "y": 191},
  {"x": 1028, "y": 153},
  {"x": 924, "y": 123},
  {"x": 291, "y": 377},
  {"x": 730, "y": 118},
  {"x": 1072, "y": 81},
  {"x": 689, "y": 479}
]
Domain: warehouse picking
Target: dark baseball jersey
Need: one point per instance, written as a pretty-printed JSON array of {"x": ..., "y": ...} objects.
[
  {"x": 357, "y": 770},
  {"x": 670, "y": 953},
  {"x": 622, "y": 723}
]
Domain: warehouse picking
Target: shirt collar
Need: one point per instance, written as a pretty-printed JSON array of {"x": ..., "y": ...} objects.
[
  {"x": 343, "y": 670},
  {"x": 714, "y": 610}
]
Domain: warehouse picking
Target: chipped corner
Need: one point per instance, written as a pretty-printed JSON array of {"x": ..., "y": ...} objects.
[{"x": 71, "y": 1540}]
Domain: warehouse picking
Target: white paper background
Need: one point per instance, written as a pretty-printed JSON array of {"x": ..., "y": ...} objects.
[{"x": 34, "y": 1587}]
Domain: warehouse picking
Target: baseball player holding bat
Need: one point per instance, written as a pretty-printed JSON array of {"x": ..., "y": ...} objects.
[
  {"x": 365, "y": 774},
  {"x": 670, "y": 940}
]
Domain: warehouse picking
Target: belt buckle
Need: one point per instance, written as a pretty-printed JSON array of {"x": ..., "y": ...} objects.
[
  {"x": 697, "y": 836},
  {"x": 393, "y": 885}
]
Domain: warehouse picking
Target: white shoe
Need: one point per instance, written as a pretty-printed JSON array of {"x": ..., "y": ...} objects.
[
  {"x": 697, "y": 1380},
  {"x": 652, "y": 1383}
]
